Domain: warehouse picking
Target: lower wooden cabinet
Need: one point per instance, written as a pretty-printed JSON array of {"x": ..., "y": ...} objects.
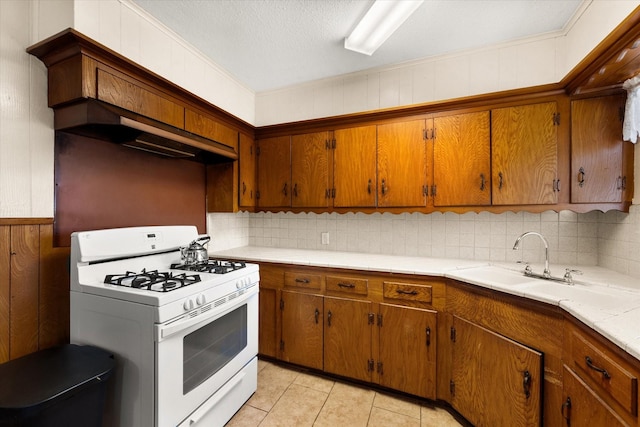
[
  {"x": 348, "y": 338},
  {"x": 267, "y": 339},
  {"x": 584, "y": 407},
  {"x": 495, "y": 381},
  {"x": 407, "y": 355},
  {"x": 302, "y": 329}
]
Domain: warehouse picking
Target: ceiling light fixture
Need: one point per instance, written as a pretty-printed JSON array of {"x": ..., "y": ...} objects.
[{"x": 380, "y": 21}]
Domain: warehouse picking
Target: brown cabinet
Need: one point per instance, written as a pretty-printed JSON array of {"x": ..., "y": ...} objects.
[
  {"x": 495, "y": 381},
  {"x": 302, "y": 329},
  {"x": 524, "y": 158},
  {"x": 348, "y": 338},
  {"x": 402, "y": 164},
  {"x": 203, "y": 125},
  {"x": 354, "y": 167},
  {"x": 407, "y": 355},
  {"x": 310, "y": 170},
  {"x": 274, "y": 172},
  {"x": 268, "y": 313},
  {"x": 601, "y": 162},
  {"x": 247, "y": 171},
  {"x": 462, "y": 160},
  {"x": 584, "y": 407}
]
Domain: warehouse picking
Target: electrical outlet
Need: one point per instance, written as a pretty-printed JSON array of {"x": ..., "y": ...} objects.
[{"x": 325, "y": 238}]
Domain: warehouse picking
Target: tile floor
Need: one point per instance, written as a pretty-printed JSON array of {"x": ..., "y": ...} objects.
[{"x": 290, "y": 397}]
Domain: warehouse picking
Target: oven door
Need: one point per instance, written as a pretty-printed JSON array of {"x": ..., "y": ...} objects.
[{"x": 196, "y": 356}]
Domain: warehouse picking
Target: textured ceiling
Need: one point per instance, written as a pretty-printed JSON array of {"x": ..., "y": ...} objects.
[{"x": 268, "y": 44}]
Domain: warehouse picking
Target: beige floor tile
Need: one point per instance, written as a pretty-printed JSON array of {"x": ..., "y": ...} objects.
[
  {"x": 262, "y": 364},
  {"x": 247, "y": 416},
  {"x": 298, "y": 406},
  {"x": 383, "y": 418},
  {"x": 273, "y": 380},
  {"x": 432, "y": 416},
  {"x": 397, "y": 404},
  {"x": 315, "y": 382},
  {"x": 346, "y": 405}
]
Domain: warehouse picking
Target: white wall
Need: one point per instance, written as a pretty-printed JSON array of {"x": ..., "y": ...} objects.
[{"x": 529, "y": 62}]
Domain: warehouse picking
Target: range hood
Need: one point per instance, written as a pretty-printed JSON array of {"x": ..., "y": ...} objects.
[{"x": 96, "y": 119}]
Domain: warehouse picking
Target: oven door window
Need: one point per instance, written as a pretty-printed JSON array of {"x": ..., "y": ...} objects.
[{"x": 210, "y": 348}]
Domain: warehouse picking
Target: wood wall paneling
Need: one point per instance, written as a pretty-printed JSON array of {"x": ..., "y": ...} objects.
[
  {"x": 5, "y": 291},
  {"x": 23, "y": 310}
]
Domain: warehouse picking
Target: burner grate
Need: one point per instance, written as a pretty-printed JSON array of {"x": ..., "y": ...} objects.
[
  {"x": 212, "y": 266},
  {"x": 152, "y": 280}
]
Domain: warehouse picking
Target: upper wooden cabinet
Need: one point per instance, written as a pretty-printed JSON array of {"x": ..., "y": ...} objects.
[
  {"x": 274, "y": 172},
  {"x": 354, "y": 167},
  {"x": 310, "y": 170},
  {"x": 205, "y": 126},
  {"x": 402, "y": 164},
  {"x": 525, "y": 154},
  {"x": 462, "y": 160},
  {"x": 601, "y": 162},
  {"x": 247, "y": 171}
]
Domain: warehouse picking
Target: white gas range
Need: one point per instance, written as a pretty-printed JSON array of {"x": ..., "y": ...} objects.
[{"x": 185, "y": 337}]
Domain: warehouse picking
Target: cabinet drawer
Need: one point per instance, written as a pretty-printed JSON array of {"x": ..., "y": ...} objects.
[
  {"x": 598, "y": 368},
  {"x": 302, "y": 280},
  {"x": 406, "y": 291},
  {"x": 349, "y": 285}
]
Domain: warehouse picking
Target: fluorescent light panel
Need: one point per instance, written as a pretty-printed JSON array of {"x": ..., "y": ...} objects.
[{"x": 380, "y": 21}]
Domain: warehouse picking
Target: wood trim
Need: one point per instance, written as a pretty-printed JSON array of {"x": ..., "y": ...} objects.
[
  {"x": 5, "y": 292},
  {"x": 25, "y": 221}
]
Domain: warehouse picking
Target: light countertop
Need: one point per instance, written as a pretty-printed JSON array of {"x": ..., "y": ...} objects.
[{"x": 606, "y": 301}]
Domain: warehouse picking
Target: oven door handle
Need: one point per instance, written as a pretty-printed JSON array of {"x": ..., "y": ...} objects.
[{"x": 180, "y": 325}]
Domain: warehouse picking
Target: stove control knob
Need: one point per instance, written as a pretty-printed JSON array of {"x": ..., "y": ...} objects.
[
  {"x": 188, "y": 305},
  {"x": 238, "y": 285},
  {"x": 200, "y": 299}
]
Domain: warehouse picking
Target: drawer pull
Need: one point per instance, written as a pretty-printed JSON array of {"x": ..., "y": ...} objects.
[
  {"x": 346, "y": 285},
  {"x": 302, "y": 280},
  {"x": 403, "y": 292},
  {"x": 603, "y": 371}
]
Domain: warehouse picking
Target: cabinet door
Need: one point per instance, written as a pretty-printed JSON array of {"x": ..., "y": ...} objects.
[
  {"x": 247, "y": 174},
  {"x": 310, "y": 170},
  {"x": 583, "y": 407},
  {"x": 302, "y": 329},
  {"x": 462, "y": 160},
  {"x": 5, "y": 292},
  {"x": 354, "y": 167},
  {"x": 408, "y": 350},
  {"x": 347, "y": 338},
  {"x": 597, "y": 150},
  {"x": 268, "y": 312},
  {"x": 274, "y": 172},
  {"x": 495, "y": 381},
  {"x": 402, "y": 164},
  {"x": 524, "y": 155}
]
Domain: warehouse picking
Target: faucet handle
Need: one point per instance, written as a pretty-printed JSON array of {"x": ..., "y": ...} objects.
[
  {"x": 568, "y": 277},
  {"x": 527, "y": 267}
]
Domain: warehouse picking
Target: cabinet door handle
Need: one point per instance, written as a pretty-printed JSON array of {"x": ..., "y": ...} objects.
[
  {"x": 403, "y": 292},
  {"x": 482, "y": 182},
  {"x": 295, "y": 190},
  {"x": 302, "y": 280},
  {"x": 329, "y": 318},
  {"x": 619, "y": 183},
  {"x": 526, "y": 383},
  {"x": 346, "y": 285},
  {"x": 603, "y": 371},
  {"x": 565, "y": 410},
  {"x": 284, "y": 189},
  {"x": 581, "y": 175},
  {"x": 428, "y": 333},
  {"x": 383, "y": 188},
  {"x": 317, "y": 314},
  {"x": 500, "y": 180},
  {"x": 244, "y": 187},
  {"x": 369, "y": 187}
]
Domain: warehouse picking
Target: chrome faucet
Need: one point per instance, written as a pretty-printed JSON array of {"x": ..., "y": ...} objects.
[{"x": 546, "y": 274}]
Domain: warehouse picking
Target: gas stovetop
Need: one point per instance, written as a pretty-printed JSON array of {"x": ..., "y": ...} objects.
[
  {"x": 212, "y": 266},
  {"x": 154, "y": 280}
]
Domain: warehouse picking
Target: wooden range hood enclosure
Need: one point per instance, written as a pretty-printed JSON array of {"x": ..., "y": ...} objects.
[{"x": 96, "y": 92}]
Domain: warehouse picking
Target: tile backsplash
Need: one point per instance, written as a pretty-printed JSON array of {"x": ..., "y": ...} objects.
[{"x": 610, "y": 240}]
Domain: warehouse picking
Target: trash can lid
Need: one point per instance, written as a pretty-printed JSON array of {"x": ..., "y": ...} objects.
[{"x": 42, "y": 377}]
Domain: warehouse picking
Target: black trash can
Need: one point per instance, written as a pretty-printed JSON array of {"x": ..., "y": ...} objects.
[{"x": 63, "y": 387}]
